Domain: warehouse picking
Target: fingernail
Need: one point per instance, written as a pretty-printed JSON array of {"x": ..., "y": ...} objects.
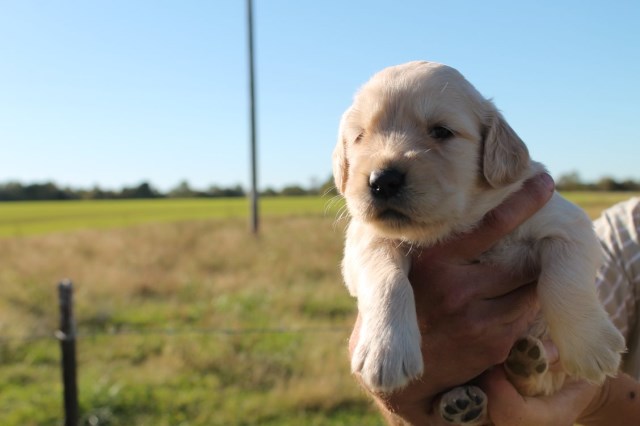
[{"x": 551, "y": 352}]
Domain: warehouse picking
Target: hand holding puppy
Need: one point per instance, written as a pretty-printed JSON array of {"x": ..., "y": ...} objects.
[{"x": 466, "y": 328}]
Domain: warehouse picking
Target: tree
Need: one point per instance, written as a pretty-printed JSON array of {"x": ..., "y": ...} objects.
[
  {"x": 608, "y": 183},
  {"x": 269, "y": 192},
  {"x": 11, "y": 191},
  {"x": 570, "y": 182},
  {"x": 183, "y": 190},
  {"x": 630, "y": 185},
  {"x": 293, "y": 190},
  {"x": 216, "y": 191},
  {"x": 328, "y": 188},
  {"x": 144, "y": 190}
]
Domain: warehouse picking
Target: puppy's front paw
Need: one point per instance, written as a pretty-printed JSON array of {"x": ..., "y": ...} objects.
[
  {"x": 464, "y": 405},
  {"x": 388, "y": 359},
  {"x": 597, "y": 356}
]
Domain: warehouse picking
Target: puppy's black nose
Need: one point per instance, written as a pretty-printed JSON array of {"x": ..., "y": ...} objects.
[{"x": 385, "y": 183}]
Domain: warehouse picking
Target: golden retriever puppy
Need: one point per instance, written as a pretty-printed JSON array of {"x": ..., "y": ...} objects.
[{"x": 421, "y": 155}]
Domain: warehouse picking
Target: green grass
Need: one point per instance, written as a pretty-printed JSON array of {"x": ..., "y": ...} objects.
[
  {"x": 594, "y": 202},
  {"x": 159, "y": 285},
  {"x": 39, "y": 217}
]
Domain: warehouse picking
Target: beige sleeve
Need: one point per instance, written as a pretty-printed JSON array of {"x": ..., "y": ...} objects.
[{"x": 618, "y": 279}]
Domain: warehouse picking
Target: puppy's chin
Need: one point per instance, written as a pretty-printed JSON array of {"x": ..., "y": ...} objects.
[
  {"x": 391, "y": 219},
  {"x": 397, "y": 224}
]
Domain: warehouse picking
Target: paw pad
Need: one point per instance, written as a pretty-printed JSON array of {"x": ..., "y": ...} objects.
[
  {"x": 527, "y": 358},
  {"x": 463, "y": 405}
]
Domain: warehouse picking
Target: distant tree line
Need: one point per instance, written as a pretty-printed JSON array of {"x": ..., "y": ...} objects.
[
  {"x": 573, "y": 182},
  {"x": 16, "y": 191}
]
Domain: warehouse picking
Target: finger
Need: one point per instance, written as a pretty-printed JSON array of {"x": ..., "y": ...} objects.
[
  {"x": 499, "y": 222},
  {"x": 512, "y": 313},
  {"x": 464, "y": 283},
  {"x": 479, "y": 293},
  {"x": 553, "y": 356},
  {"x": 506, "y": 405},
  {"x": 355, "y": 333},
  {"x": 493, "y": 281}
]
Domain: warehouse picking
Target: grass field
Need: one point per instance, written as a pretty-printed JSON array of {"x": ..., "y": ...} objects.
[
  {"x": 38, "y": 217},
  {"x": 184, "y": 318}
]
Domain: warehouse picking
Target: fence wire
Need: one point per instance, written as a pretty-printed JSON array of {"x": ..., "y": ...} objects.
[{"x": 176, "y": 332}]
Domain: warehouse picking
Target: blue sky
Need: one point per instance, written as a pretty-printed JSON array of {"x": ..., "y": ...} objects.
[{"x": 112, "y": 93}]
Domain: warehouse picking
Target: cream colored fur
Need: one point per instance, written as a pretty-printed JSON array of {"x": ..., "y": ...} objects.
[{"x": 449, "y": 185}]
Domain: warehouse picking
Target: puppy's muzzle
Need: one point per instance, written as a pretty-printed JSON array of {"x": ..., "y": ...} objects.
[{"x": 386, "y": 183}]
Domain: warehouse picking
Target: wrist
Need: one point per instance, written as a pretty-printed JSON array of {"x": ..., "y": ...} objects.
[
  {"x": 593, "y": 413},
  {"x": 410, "y": 406},
  {"x": 403, "y": 417}
]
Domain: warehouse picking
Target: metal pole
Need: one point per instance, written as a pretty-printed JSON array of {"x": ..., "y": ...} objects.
[
  {"x": 67, "y": 337},
  {"x": 252, "y": 102}
]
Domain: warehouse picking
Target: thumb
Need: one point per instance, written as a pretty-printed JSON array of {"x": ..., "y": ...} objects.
[{"x": 506, "y": 406}]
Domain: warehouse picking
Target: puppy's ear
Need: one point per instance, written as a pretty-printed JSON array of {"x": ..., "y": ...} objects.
[
  {"x": 505, "y": 157},
  {"x": 340, "y": 162}
]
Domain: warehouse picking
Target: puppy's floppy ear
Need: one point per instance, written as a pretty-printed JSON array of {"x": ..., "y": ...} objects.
[
  {"x": 340, "y": 162},
  {"x": 505, "y": 157}
]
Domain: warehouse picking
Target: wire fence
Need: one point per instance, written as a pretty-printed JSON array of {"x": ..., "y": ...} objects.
[
  {"x": 177, "y": 332},
  {"x": 68, "y": 333}
]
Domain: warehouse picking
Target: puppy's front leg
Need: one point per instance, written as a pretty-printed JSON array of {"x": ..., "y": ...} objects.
[
  {"x": 387, "y": 354},
  {"x": 588, "y": 342}
]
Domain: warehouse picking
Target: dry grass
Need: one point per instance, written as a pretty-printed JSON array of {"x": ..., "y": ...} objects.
[
  {"x": 198, "y": 279},
  {"x": 153, "y": 302}
]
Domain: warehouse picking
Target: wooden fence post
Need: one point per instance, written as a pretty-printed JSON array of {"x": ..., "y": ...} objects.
[{"x": 67, "y": 337}]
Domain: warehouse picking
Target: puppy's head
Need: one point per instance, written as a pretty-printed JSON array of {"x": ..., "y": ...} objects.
[{"x": 420, "y": 149}]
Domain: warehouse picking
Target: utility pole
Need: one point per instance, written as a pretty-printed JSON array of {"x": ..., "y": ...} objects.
[{"x": 252, "y": 111}]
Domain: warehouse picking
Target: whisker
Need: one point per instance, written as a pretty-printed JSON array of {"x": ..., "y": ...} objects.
[
  {"x": 329, "y": 190},
  {"x": 399, "y": 243},
  {"x": 331, "y": 202},
  {"x": 344, "y": 216}
]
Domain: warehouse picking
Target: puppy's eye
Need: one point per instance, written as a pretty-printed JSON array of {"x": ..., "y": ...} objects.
[{"x": 440, "y": 133}]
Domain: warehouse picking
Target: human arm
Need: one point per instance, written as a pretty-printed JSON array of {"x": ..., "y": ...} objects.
[
  {"x": 616, "y": 402},
  {"x": 463, "y": 305}
]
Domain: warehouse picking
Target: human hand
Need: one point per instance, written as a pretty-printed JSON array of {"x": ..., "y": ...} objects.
[
  {"x": 508, "y": 408},
  {"x": 615, "y": 402},
  {"x": 469, "y": 314}
]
